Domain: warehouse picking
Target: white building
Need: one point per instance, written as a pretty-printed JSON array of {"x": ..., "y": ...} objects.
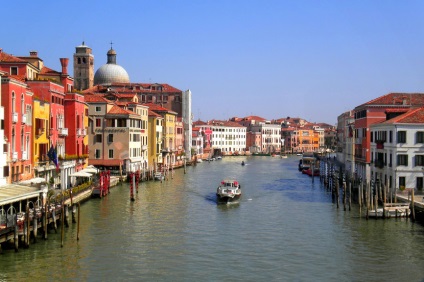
[
  {"x": 397, "y": 151},
  {"x": 270, "y": 135},
  {"x": 228, "y": 137},
  {"x": 3, "y": 145}
]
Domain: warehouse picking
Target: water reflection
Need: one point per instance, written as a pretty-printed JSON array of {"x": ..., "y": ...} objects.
[{"x": 283, "y": 228}]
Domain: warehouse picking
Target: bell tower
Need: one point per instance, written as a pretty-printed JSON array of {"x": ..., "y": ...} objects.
[{"x": 83, "y": 67}]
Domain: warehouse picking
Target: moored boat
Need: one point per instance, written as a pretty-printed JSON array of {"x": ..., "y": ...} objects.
[
  {"x": 228, "y": 190},
  {"x": 159, "y": 176}
]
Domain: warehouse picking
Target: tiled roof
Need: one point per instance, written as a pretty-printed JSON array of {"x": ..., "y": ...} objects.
[
  {"x": 255, "y": 118},
  {"x": 158, "y": 108},
  {"x": 95, "y": 99},
  {"x": 116, "y": 110},
  {"x": 199, "y": 122},
  {"x": 17, "y": 77},
  {"x": 153, "y": 114},
  {"x": 46, "y": 70},
  {"x": 397, "y": 99},
  {"x": 7, "y": 58},
  {"x": 224, "y": 123},
  {"x": 415, "y": 115}
]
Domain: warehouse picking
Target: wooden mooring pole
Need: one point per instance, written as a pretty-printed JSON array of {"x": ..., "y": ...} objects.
[
  {"x": 412, "y": 205},
  {"x": 79, "y": 216},
  {"x": 344, "y": 196}
]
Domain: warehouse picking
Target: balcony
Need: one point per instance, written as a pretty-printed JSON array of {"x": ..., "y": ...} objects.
[
  {"x": 24, "y": 118},
  {"x": 14, "y": 156},
  {"x": 24, "y": 155},
  {"x": 144, "y": 147},
  {"x": 40, "y": 131},
  {"x": 79, "y": 131},
  {"x": 14, "y": 117},
  {"x": 379, "y": 164},
  {"x": 83, "y": 132},
  {"x": 63, "y": 132}
]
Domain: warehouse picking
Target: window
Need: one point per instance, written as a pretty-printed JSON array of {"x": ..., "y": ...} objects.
[
  {"x": 98, "y": 122},
  {"x": 98, "y": 109},
  {"x": 98, "y": 138},
  {"x": 401, "y": 137},
  {"x": 419, "y": 136},
  {"x": 110, "y": 153},
  {"x": 97, "y": 154},
  {"x": 6, "y": 171},
  {"x": 419, "y": 160},
  {"x": 110, "y": 138},
  {"x": 390, "y": 136},
  {"x": 14, "y": 70},
  {"x": 419, "y": 183},
  {"x": 402, "y": 182},
  {"x": 402, "y": 160}
]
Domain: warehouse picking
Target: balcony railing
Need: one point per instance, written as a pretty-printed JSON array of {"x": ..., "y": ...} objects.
[
  {"x": 144, "y": 147},
  {"x": 40, "y": 131},
  {"x": 14, "y": 117},
  {"x": 79, "y": 131},
  {"x": 379, "y": 163},
  {"x": 63, "y": 132},
  {"x": 24, "y": 118},
  {"x": 14, "y": 156},
  {"x": 24, "y": 155}
]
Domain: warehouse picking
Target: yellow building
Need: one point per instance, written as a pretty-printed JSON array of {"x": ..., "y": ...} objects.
[
  {"x": 41, "y": 132},
  {"x": 154, "y": 146},
  {"x": 168, "y": 141}
]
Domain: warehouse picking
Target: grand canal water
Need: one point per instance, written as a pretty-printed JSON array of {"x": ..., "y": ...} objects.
[{"x": 285, "y": 228}]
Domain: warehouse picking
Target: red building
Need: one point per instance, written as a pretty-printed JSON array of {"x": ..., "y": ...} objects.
[
  {"x": 17, "y": 102},
  {"x": 374, "y": 111}
]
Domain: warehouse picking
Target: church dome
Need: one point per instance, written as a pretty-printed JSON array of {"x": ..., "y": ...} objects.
[{"x": 111, "y": 72}]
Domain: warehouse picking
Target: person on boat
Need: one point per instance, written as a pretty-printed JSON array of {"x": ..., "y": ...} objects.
[{"x": 242, "y": 163}]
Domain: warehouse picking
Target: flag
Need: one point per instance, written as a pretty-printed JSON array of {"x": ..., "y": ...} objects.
[
  {"x": 53, "y": 156},
  {"x": 350, "y": 131}
]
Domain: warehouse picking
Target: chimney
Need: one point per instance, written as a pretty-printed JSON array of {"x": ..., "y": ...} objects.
[
  {"x": 33, "y": 53},
  {"x": 64, "y": 63}
]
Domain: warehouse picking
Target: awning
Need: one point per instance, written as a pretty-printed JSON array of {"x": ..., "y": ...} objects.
[
  {"x": 81, "y": 174},
  {"x": 35, "y": 180},
  {"x": 90, "y": 170}
]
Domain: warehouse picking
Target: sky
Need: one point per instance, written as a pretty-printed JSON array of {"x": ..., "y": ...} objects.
[{"x": 274, "y": 59}]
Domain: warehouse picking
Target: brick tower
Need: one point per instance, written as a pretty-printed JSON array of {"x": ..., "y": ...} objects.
[{"x": 83, "y": 67}]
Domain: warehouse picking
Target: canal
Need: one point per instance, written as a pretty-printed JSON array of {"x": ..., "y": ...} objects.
[{"x": 285, "y": 228}]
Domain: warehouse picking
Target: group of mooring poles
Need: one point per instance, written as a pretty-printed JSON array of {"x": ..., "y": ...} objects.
[
  {"x": 369, "y": 193},
  {"x": 38, "y": 219}
]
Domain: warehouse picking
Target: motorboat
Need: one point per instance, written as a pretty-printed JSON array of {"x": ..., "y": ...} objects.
[
  {"x": 159, "y": 176},
  {"x": 229, "y": 190}
]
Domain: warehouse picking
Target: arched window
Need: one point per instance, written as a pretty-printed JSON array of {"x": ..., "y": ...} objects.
[
  {"x": 12, "y": 144},
  {"x": 22, "y": 140},
  {"x": 22, "y": 104},
  {"x": 27, "y": 145},
  {"x": 13, "y": 102},
  {"x": 79, "y": 60}
]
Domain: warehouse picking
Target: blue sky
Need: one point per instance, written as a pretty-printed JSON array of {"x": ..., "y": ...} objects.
[{"x": 309, "y": 59}]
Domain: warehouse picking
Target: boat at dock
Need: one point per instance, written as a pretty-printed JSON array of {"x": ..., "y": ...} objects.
[
  {"x": 159, "y": 176},
  {"x": 391, "y": 210},
  {"x": 229, "y": 190}
]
